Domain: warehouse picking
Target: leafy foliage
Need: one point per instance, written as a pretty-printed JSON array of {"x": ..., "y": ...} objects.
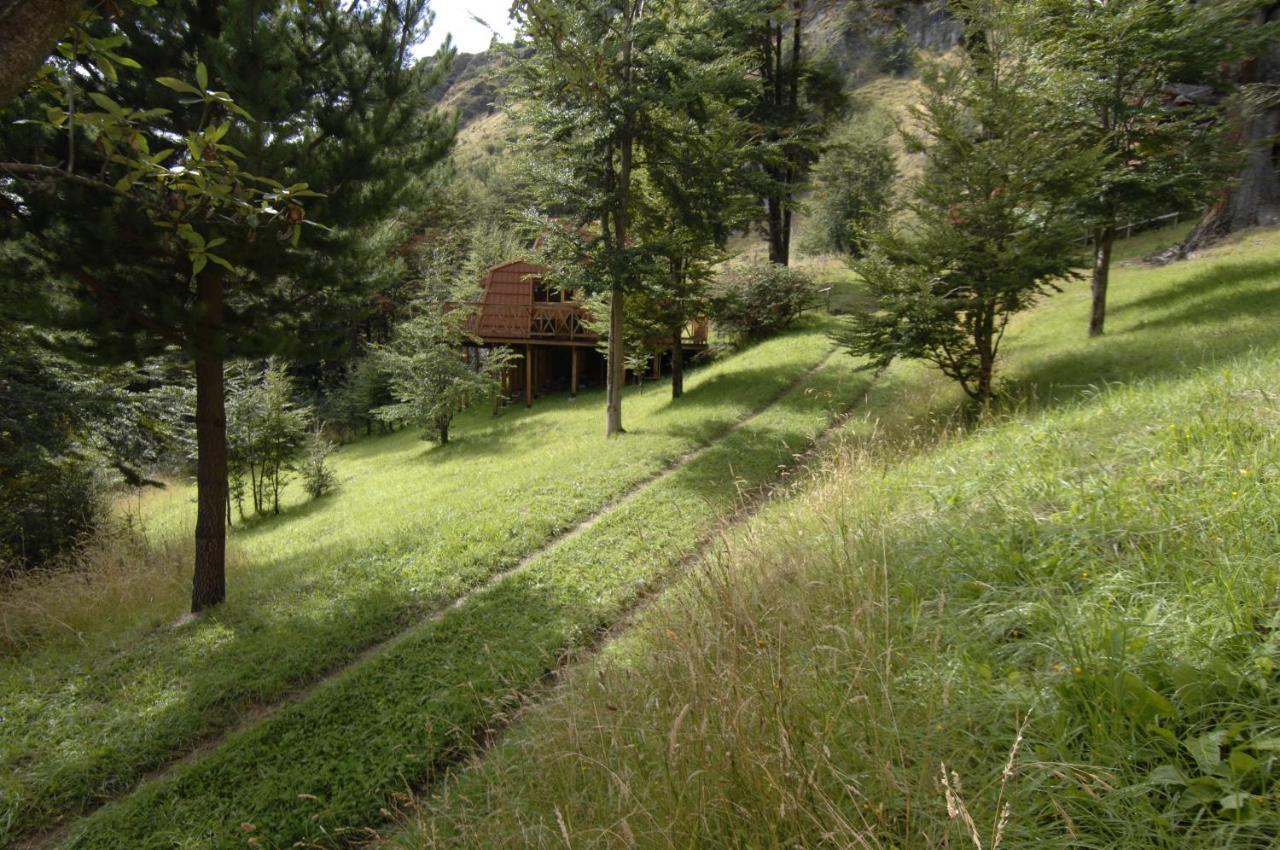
[
  {"x": 854, "y": 182},
  {"x": 753, "y": 300},
  {"x": 428, "y": 376},
  {"x": 1147, "y": 83},
  {"x": 994, "y": 218},
  {"x": 318, "y": 477},
  {"x": 266, "y": 434}
]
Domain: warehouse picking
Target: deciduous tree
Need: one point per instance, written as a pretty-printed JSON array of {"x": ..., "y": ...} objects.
[{"x": 995, "y": 216}]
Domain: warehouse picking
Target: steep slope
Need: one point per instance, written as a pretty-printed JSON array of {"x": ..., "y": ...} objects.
[{"x": 1056, "y": 628}]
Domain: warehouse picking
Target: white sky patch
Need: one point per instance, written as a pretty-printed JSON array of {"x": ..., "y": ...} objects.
[{"x": 455, "y": 17}]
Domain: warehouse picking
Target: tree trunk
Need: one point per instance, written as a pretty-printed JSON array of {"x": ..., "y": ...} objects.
[
  {"x": 986, "y": 357},
  {"x": 444, "y": 433},
  {"x": 1103, "y": 238},
  {"x": 29, "y": 30},
  {"x": 677, "y": 364},
  {"x": 617, "y": 373},
  {"x": 1253, "y": 199},
  {"x": 209, "y": 584},
  {"x": 777, "y": 227}
]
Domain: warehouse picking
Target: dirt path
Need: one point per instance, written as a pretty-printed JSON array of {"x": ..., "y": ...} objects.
[
  {"x": 52, "y": 837},
  {"x": 496, "y": 729}
]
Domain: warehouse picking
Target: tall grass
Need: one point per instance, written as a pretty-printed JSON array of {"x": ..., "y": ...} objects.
[{"x": 1054, "y": 628}]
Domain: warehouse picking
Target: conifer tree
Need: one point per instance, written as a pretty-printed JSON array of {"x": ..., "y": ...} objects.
[
  {"x": 1145, "y": 81},
  {"x": 995, "y": 215},
  {"x": 170, "y": 204},
  {"x": 794, "y": 101},
  {"x": 607, "y": 91}
]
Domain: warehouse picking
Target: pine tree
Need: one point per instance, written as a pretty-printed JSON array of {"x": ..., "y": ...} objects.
[
  {"x": 428, "y": 375},
  {"x": 795, "y": 100},
  {"x": 995, "y": 216},
  {"x": 601, "y": 90},
  {"x": 173, "y": 212},
  {"x": 1144, "y": 81}
]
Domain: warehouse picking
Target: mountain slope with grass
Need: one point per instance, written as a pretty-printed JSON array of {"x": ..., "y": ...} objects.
[
  {"x": 89, "y": 710},
  {"x": 1055, "y": 627}
]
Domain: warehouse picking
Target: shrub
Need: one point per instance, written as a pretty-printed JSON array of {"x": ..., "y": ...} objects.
[
  {"x": 317, "y": 476},
  {"x": 754, "y": 300}
]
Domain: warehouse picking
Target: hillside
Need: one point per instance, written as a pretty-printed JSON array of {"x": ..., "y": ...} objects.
[
  {"x": 1053, "y": 628},
  {"x": 457, "y": 575},
  {"x": 869, "y": 41}
]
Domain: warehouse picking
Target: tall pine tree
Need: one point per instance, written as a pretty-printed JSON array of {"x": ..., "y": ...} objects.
[{"x": 247, "y": 111}]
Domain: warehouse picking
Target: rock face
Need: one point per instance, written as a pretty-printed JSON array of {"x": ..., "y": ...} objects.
[{"x": 864, "y": 38}]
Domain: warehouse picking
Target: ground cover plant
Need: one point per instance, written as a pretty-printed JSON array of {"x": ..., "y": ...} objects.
[
  {"x": 410, "y": 527},
  {"x": 1053, "y": 628},
  {"x": 318, "y": 771}
]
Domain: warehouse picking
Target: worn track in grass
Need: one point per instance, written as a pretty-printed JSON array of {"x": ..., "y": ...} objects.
[
  {"x": 258, "y": 714},
  {"x": 492, "y": 733}
]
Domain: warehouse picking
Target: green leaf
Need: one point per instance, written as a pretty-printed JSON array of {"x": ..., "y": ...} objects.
[
  {"x": 1166, "y": 774},
  {"x": 1235, "y": 801},
  {"x": 1241, "y": 763},
  {"x": 106, "y": 104},
  {"x": 221, "y": 261},
  {"x": 1205, "y": 750},
  {"x": 177, "y": 85},
  {"x": 1264, "y": 745},
  {"x": 202, "y": 75},
  {"x": 56, "y": 116},
  {"x": 198, "y": 262}
]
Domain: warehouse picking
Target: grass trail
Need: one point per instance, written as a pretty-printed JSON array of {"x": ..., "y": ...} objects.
[
  {"x": 412, "y": 527},
  {"x": 323, "y": 769},
  {"x": 1097, "y": 566}
]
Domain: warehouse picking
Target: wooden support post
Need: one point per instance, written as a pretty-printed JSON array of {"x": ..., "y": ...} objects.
[
  {"x": 528, "y": 376},
  {"x": 573, "y": 372}
]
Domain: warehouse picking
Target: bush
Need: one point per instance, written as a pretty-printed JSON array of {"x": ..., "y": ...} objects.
[
  {"x": 317, "y": 476},
  {"x": 755, "y": 300}
]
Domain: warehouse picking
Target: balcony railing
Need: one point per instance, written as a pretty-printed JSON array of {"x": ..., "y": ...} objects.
[{"x": 550, "y": 321}]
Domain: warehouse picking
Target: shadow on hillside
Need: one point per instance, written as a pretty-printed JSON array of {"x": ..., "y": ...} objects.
[
  {"x": 1205, "y": 285},
  {"x": 1211, "y": 317},
  {"x": 252, "y": 523}
]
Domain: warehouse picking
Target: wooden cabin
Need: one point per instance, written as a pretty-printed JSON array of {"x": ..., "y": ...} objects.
[{"x": 549, "y": 329}]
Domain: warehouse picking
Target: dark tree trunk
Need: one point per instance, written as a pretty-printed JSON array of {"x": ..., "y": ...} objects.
[
  {"x": 1103, "y": 238},
  {"x": 444, "y": 433},
  {"x": 1253, "y": 199},
  {"x": 29, "y": 30},
  {"x": 777, "y": 229},
  {"x": 677, "y": 364},
  {"x": 209, "y": 584},
  {"x": 986, "y": 357}
]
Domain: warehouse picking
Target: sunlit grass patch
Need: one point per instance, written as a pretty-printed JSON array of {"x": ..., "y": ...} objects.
[
  {"x": 1087, "y": 580},
  {"x": 89, "y": 707}
]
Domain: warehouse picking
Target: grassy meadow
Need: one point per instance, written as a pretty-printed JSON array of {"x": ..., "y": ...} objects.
[
  {"x": 91, "y": 704},
  {"x": 1055, "y": 627}
]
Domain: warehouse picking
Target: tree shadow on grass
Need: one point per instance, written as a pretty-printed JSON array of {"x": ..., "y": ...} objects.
[{"x": 1213, "y": 316}]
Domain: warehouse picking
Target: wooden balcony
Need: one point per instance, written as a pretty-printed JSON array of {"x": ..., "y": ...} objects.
[{"x": 550, "y": 322}]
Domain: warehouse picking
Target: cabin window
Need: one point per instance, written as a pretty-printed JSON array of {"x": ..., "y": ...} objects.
[{"x": 544, "y": 293}]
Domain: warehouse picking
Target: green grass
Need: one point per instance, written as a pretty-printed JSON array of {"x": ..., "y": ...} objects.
[
  {"x": 412, "y": 526},
  {"x": 319, "y": 771},
  {"x": 1096, "y": 565}
]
